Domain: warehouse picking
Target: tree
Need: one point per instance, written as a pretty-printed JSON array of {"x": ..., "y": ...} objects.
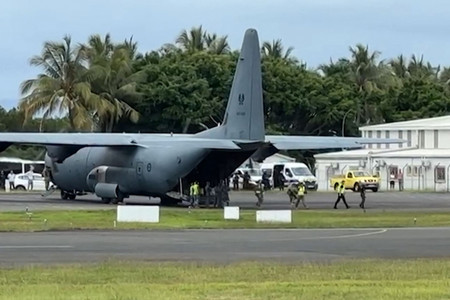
[
  {"x": 61, "y": 88},
  {"x": 197, "y": 39},
  {"x": 113, "y": 80},
  {"x": 275, "y": 50}
]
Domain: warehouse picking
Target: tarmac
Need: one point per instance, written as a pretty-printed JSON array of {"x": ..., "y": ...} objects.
[
  {"x": 223, "y": 246},
  {"x": 243, "y": 199}
]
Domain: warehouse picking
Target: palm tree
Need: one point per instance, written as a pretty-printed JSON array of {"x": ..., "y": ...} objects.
[
  {"x": 276, "y": 50},
  {"x": 112, "y": 79},
  {"x": 61, "y": 88},
  {"x": 192, "y": 41},
  {"x": 399, "y": 66},
  {"x": 198, "y": 39},
  {"x": 366, "y": 73},
  {"x": 418, "y": 68}
]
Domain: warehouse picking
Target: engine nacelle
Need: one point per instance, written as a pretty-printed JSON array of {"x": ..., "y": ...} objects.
[
  {"x": 108, "y": 182},
  {"x": 107, "y": 190}
]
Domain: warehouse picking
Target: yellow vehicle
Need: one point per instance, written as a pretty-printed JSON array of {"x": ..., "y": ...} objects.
[{"x": 354, "y": 180}]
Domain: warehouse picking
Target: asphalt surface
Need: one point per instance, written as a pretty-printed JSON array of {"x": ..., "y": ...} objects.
[
  {"x": 245, "y": 200},
  {"x": 223, "y": 246}
]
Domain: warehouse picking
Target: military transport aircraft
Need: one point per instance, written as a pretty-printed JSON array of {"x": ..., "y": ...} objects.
[{"x": 114, "y": 166}]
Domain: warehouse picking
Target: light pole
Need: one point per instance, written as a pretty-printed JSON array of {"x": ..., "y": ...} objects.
[{"x": 343, "y": 121}]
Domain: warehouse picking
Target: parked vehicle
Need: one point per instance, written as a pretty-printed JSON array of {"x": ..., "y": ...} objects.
[
  {"x": 21, "y": 182},
  {"x": 354, "y": 180},
  {"x": 293, "y": 172}
]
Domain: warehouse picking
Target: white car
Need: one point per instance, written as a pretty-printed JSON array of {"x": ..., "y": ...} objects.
[{"x": 21, "y": 182}]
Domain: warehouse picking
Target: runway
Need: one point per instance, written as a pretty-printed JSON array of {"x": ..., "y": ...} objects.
[
  {"x": 223, "y": 246},
  {"x": 243, "y": 199}
]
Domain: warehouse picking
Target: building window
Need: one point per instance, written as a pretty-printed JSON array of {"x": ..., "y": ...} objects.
[
  {"x": 388, "y": 135},
  {"x": 378, "y": 137},
  {"x": 439, "y": 174},
  {"x": 409, "y": 137},
  {"x": 421, "y": 139},
  {"x": 400, "y": 136},
  {"x": 436, "y": 139},
  {"x": 412, "y": 171}
]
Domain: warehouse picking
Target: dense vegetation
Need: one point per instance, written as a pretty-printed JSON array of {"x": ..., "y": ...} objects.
[{"x": 183, "y": 87}]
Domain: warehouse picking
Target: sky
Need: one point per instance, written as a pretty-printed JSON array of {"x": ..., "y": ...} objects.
[{"x": 319, "y": 30}]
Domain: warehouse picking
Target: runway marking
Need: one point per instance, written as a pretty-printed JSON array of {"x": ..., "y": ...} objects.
[
  {"x": 36, "y": 247},
  {"x": 349, "y": 235}
]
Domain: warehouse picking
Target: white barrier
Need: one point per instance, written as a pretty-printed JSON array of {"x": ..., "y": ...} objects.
[
  {"x": 138, "y": 213},
  {"x": 231, "y": 213},
  {"x": 274, "y": 216}
]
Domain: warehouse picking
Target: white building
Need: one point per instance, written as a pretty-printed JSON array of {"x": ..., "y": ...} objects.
[{"x": 424, "y": 159}]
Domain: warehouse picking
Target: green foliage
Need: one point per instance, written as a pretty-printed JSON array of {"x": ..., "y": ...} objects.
[
  {"x": 334, "y": 279},
  {"x": 183, "y": 87}
]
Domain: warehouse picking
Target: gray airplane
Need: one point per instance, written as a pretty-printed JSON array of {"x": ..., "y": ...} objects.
[{"x": 115, "y": 166}]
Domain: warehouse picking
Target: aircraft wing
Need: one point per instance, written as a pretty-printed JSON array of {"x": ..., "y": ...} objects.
[
  {"x": 80, "y": 140},
  {"x": 282, "y": 142}
]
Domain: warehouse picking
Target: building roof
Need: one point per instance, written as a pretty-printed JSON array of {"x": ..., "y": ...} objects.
[
  {"x": 359, "y": 153},
  {"x": 429, "y": 123},
  {"x": 380, "y": 153}
]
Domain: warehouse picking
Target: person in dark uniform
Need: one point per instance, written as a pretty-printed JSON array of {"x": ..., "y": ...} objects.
[
  {"x": 259, "y": 193},
  {"x": 236, "y": 182},
  {"x": 362, "y": 192},
  {"x": 341, "y": 195},
  {"x": 219, "y": 198},
  {"x": 281, "y": 181},
  {"x": 208, "y": 194},
  {"x": 225, "y": 194},
  {"x": 246, "y": 177}
]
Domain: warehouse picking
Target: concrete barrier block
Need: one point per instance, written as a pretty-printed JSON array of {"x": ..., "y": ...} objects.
[
  {"x": 231, "y": 213},
  {"x": 138, "y": 213},
  {"x": 274, "y": 216}
]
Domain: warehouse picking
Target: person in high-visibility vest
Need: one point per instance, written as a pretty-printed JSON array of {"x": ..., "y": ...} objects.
[
  {"x": 196, "y": 194},
  {"x": 301, "y": 195},
  {"x": 341, "y": 195},
  {"x": 192, "y": 193}
]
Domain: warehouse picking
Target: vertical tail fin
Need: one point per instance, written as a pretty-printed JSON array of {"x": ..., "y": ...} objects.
[{"x": 244, "y": 116}]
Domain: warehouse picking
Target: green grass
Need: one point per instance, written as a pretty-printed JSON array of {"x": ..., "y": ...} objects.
[
  {"x": 354, "y": 279},
  {"x": 183, "y": 218}
]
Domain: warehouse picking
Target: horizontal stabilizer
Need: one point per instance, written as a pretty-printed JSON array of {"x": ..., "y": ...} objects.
[{"x": 282, "y": 142}]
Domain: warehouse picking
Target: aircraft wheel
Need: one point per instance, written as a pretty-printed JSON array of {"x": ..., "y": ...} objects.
[
  {"x": 106, "y": 200},
  {"x": 71, "y": 196},
  {"x": 64, "y": 195},
  {"x": 114, "y": 201}
]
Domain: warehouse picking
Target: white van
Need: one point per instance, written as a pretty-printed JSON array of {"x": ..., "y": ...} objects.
[{"x": 292, "y": 171}]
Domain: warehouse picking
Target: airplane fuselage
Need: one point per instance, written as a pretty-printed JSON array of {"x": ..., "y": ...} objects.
[{"x": 150, "y": 171}]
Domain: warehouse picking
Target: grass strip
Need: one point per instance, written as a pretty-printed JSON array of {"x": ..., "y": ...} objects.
[
  {"x": 353, "y": 279},
  {"x": 190, "y": 219}
]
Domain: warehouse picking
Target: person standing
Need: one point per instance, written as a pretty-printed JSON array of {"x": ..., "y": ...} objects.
[
  {"x": 196, "y": 194},
  {"x": 218, "y": 192},
  {"x": 30, "y": 175},
  {"x": 236, "y": 182},
  {"x": 2, "y": 180},
  {"x": 46, "y": 175},
  {"x": 191, "y": 193},
  {"x": 208, "y": 193},
  {"x": 11, "y": 178},
  {"x": 281, "y": 181},
  {"x": 301, "y": 195},
  {"x": 246, "y": 178},
  {"x": 362, "y": 192},
  {"x": 400, "y": 180},
  {"x": 292, "y": 192},
  {"x": 259, "y": 193},
  {"x": 341, "y": 195},
  {"x": 225, "y": 194}
]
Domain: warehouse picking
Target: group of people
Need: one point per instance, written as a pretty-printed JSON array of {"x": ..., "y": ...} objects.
[
  {"x": 217, "y": 196},
  {"x": 341, "y": 195}
]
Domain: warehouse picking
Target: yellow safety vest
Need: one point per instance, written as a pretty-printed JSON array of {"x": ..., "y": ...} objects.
[
  {"x": 341, "y": 189},
  {"x": 301, "y": 191},
  {"x": 192, "y": 190}
]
